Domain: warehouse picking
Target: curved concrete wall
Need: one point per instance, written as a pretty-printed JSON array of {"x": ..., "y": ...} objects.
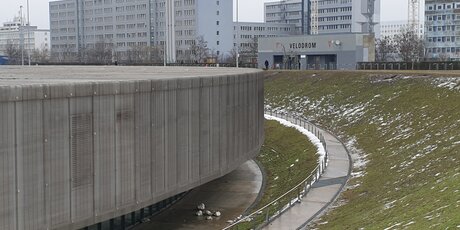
[{"x": 75, "y": 153}]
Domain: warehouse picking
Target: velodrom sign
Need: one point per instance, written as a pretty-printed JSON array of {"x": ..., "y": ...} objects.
[{"x": 303, "y": 45}]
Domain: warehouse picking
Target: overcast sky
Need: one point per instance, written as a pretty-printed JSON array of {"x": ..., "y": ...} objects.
[{"x": 250, "y": 10}]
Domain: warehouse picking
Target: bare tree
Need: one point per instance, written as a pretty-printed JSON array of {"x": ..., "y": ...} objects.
[
  {"x": 40, "y": 56},
  {"x": 101, "y": 53},
  {"x": 14, "y": 53},
  {"x": 410, "y": 46},
  {"x": 199, "y": 49},
  {"x": 230, "y": 58},
  {"x": 139, "y": 55},
  {"x": 385, "y": 48},
  {"x": 250, "y": 51},
  {"x": 156, "y": 54}
]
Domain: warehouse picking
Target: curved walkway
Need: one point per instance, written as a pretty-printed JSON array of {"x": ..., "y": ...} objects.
[
  {"x": 323, "y": 192},
  {"x": 231, "y": 194}
]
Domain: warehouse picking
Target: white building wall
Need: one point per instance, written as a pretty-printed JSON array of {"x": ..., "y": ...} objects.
[
  {"x": 390, "y": 29},
  {"x": 442, "y": 37},
  {"x": 215, "y": 24},
  {"x": 30, "y": 36}
]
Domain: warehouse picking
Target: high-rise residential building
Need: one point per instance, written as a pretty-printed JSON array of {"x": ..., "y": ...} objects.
[
  {"x": 17, "y": 35},
  {"x": 441, "y": 29},
  {"x": 128, "y": 26},
  {"x": 333, "y": 16},
  {"x": 246, "y": 36},
  {"x": 392, "y": 28},
  {"x": 293, "y": 12}
]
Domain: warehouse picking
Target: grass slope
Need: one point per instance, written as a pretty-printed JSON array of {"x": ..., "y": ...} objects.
[
  {"x": 282, "y": 148},
  {"x": 407, "y": 129}
]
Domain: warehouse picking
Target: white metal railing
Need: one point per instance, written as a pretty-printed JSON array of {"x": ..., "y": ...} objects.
[{"x": 275, "y": 208}]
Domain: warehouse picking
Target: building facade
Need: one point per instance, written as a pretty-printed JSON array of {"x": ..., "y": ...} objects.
[
  {"x": 127, "y": 27},
  {"x": 442, "y": 30},
  {"x": 331, "y": 51},
  {"x": 390, "y": 29},
  {"x": 333, "y": 16},
  {"x": 347, "y": 16},
  {"x": 294, "y": 12},
  {"x": 16, "y": 35},
  {"x": 246, "y": 36}
]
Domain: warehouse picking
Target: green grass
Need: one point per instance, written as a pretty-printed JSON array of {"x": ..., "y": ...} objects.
[
  {"x": 283, "y": 147},
  {"x": 408, "y": 129}
]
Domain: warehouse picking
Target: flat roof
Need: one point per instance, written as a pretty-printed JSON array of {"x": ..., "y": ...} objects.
[{"x": 51, "y": 75}]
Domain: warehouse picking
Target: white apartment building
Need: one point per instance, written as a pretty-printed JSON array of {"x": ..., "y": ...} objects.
[
  {"x": 442, "y": 23},
  {"x": 347, "y": 16},
  {"x": 15, "y": 33},
  {"x": 124, "y": 25},
  {"x": 293, "y": 12},
  {"x": 390, "y": 29},
  {"x": 247, "y": 34},
  {"x": 334, "y": 16}
]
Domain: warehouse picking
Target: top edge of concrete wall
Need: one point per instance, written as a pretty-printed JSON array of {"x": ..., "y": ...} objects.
[{"x": 44, "y": 82}]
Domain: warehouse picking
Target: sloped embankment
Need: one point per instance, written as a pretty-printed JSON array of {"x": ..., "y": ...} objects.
[{"x": 404, "y": 133}]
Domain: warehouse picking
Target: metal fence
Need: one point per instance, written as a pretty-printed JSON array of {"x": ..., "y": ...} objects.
[
  {"x": 408, "y": 65},
  {"x": 277, "y": 207}
]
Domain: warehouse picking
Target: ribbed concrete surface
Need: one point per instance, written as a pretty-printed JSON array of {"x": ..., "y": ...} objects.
[{"x": 81, "y": 145}]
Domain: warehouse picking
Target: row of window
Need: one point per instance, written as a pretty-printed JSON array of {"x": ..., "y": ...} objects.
[
  {"x": 444, "y": 50},
  {"x": 62, "y": 6},
  {"x": 335, "y": 18},
  {"x": 282, "y": 6},
  {"x": 441, "y": 28},
  {"x": 443, "y": 39},
  {"x": 443, "y": 17},
  {"x": 335, "y": 27},
  {"x": 333, "y": 2},
  {"x": 62, "y": 23},
  {"x": 445, "y": 6},
  {"x": 335, "y": 10}
]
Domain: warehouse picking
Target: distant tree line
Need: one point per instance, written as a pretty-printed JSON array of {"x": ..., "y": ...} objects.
[
  {"x": 104, "y": 52},
  {"x": 407, "y": 46}
]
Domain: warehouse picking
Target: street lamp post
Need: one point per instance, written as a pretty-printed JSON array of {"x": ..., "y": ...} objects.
[
  {"x": 28, "y": 31},
  {"x": 237, "y": 38},
  {"x": 21, "y": 35}
]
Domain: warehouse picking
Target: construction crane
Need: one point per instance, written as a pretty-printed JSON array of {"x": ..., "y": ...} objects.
[
  {"x": 413, "y": 14},
  {"x": 314, "y": 16}
]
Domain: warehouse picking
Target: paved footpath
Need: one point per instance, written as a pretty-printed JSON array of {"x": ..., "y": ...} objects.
[
  {"x": 323, "y": 192},
  {"x": 231, "y": 194}
]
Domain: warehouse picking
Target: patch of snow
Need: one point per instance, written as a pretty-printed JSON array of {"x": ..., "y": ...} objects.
[
  {"x": 450, "y": 83},
  {"x": 410, "y": 223},
  {"x": 393, "y": 226},
  {"x": 389, "y": 205},
  {"x": 315, "y": 140}
]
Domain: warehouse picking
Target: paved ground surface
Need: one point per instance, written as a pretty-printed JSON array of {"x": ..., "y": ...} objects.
[
  {"x": 231, "y": 194},
  {"x": 14, "y": 75},
  {"x": 323, "y": 192}
]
